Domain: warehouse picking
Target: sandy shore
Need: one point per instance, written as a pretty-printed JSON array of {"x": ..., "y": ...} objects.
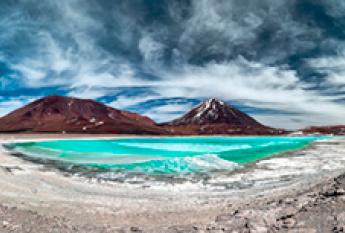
[{"x": 36, "y": 199}]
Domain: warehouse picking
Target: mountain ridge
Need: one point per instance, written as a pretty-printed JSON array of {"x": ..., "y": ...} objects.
[
  {"x": 61, "y": 114},
  {"x": 72, "y": 115}
]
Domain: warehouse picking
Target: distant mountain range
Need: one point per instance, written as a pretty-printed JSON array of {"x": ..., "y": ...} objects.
[
  {"x": 58, "y": 114},
  {"x": 332, "y": 129}
]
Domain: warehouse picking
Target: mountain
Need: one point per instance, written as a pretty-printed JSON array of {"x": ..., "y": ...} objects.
[
  {"x": 323, "y": 130},
  {"x": 216, "y": 117},
  {"x": 58, "y": 114},
  {"x": 71, "y": 115}
]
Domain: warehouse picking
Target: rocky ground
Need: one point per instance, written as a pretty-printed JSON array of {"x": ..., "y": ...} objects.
[{"x": 320, "y": 210}]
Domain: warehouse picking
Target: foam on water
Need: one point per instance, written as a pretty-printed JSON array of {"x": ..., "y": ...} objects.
[
  {"x": 195, "y": 147},
  {"x": 201, "y": 163}
]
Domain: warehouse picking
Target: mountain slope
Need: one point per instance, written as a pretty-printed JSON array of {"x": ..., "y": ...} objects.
[
  {"x": 338, "y": 130},
  {"x": 72, "y": 115},
  {"x": 216, "y": 117}
]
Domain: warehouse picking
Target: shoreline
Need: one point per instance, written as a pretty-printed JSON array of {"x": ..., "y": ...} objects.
[
  {"x": 34, "y": 192},
  {"x": 26, "y": 137},
  {"x": 198, "y": 183}
]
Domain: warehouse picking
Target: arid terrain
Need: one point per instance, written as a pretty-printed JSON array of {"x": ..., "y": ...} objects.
[{"x": 37, "y": 199}]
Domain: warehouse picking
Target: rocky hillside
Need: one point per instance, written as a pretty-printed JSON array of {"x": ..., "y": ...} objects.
[
  {"x": 216, "y": 117},
  {"x": 59, "y": 114}
]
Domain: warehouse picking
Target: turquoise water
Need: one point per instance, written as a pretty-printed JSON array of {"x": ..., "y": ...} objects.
[{"x": 162, "y": 155}]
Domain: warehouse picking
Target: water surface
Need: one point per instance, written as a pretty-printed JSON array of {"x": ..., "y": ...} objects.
[{"x": 174, "y": 155}]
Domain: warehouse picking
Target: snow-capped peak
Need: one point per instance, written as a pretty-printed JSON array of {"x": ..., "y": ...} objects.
[{"x": 214, "y": 111}]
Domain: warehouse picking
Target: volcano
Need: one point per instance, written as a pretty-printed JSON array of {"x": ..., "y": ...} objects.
[
  {"x": 214, "y": 116},
  {"x": 58, "y": 114}
]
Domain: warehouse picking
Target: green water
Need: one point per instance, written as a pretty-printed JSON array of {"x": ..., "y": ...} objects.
[{"x": 163, "y": 155}]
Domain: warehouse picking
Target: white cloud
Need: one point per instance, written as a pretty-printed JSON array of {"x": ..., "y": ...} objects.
[
  {"x": 332, "y": 66},
  {"x": 251, "y": 83},
  {"x": 172, "y": 108},
  {"x": 292, "y": 121},
  {"x": 228, "y": 28},
  {"x": 151, "y": 50},
  {"x": 123, "y": 102},
  {"x": 335, "y": 8},
  {"x": 73, "y": 59},
  {"x": 88, "y": 92},
  {"x": 29, "y": 70},
  {"x": 8, "y": 105},
  {"x": 255, "y": 85},
  {"x": 69, "y": 53},
  {"x": 167, "y": 112}
]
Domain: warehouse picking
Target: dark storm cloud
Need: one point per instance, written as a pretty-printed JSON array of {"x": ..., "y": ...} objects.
[{"x": 269, "y": 55}]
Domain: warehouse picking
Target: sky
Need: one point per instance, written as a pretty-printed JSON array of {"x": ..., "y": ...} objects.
[{"x": 280, "y": 61}]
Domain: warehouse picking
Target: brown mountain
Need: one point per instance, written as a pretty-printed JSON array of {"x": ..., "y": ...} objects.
[
  {"x": 216, "y": 117},
  {"x": 323, "y": 130},
  {"x": 72, "y": 115}
]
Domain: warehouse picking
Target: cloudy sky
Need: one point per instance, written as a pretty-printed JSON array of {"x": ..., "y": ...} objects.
[{"x": 281, "y": 61}]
